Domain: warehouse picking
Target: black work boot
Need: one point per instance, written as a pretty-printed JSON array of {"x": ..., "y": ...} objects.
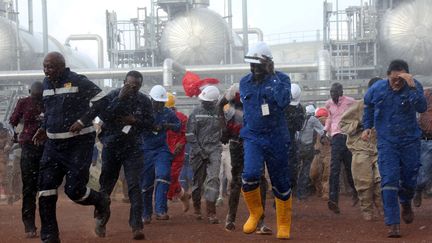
[
  {"x": 407, "y": 213},
  {"x": 47, "y": 211},
  {"x": 417, "y": 200},
  {"x": 102, "y": 214},
  {"x": 333, "y": 207},
  {"x": 394, "y": 231},
  {"x": 211, "y": 212},
  {"x": 138, "y": 234}
]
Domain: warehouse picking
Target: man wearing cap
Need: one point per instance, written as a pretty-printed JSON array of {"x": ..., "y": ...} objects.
[
  {"x": 177, "y": 144},
  {"x": 306, "y": 139},
  {"x": 265, "y": 95},
  {"x": 203, "y": 134},
  {"x": 155, "y": 175},
  {"x": 391, "y": 107}
]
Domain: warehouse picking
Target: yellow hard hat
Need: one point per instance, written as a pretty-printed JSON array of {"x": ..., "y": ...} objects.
[{"x": 171, "y": 100}]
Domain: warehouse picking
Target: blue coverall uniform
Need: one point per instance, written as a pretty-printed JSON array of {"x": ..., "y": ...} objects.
[
  {"x": 65, "y": 154},
  {"x": 266, "y": 137},
  {"x": 121, "y": 147},
  {"x": 157, "y": 164},
  {"x": 393, "y": 114}
]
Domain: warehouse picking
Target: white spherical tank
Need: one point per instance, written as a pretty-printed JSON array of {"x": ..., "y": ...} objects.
[
  {"x": 198, "y": 36},
  {"x": 406, "y": 33},
  {"x": 31, "y": 50}
]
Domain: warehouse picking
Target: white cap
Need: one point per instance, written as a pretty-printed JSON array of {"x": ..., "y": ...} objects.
[
  {"x": 259, "y": 51},
  {"x": 209, "y": 93},
  {"x": 159, "y": 93},
  {"x": 295, "y": 94},
  {"x": 310, "y": 109}
]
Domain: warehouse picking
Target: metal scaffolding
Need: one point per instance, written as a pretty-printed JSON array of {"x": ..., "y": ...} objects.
[{"x": 351, "y": 36}]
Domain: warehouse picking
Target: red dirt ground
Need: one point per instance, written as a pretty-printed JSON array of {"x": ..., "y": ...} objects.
[{"x": 312, "y": 222}]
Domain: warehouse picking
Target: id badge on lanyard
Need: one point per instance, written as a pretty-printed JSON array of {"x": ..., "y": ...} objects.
[{"x": 265, "y": 110}]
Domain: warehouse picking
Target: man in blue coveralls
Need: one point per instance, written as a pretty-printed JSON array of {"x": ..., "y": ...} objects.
[
  {"x": 157, "y": 157},
  {"x": 265, "y": 94},
  {"x": 66, "y": 97},
  {"x": 391, "y": 106},
  {"x": 125, "y": 113}
]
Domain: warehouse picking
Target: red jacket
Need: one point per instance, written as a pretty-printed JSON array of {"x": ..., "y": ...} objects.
[{"x": 174, "y": 138}]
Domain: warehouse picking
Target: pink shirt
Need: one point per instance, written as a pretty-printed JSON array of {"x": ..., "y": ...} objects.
[{"x": 335, "y": 113}]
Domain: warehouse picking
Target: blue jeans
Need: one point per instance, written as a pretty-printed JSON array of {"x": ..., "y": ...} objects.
[
  {"x": 398, "y": 166},
  {"x": 425, "y": 171},
  {"x": 156, "y": 173},
  {"x": 113, "y": 157}
]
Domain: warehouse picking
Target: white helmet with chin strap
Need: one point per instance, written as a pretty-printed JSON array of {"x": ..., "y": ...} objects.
[
  {"x": 260, "y": 51},
  {"x": 159, "y": 93}
]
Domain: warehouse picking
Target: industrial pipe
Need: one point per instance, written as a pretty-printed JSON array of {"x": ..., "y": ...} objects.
[
  {"x": 257, "y": 31},
  {"x": 245, "y": 26},
  {"x": 45, "y": 26},
  {"x": 94, "y": 37},
  {"x": 169, "y": 67},
  {"x": 30, "y": 16},
  {"x": 33, "y": 75}
]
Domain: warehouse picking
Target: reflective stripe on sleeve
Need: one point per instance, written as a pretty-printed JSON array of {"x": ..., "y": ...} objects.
[
  {"x": 68, "y": 90},
  {"x": 97, "y": 97},
  {"x": 46, "y": 193},
  {"x": 86, "y": 195},
  {"x": 64, "y": 135}
]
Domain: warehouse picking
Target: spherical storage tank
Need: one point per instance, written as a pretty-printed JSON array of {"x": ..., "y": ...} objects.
[
  {"x": 406, "y": 33},
  {"x": 198, "y": 36},
  {"x": 31, "y": 53}
]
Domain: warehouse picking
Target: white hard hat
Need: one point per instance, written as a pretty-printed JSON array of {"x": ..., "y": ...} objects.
[
  {"x": 259, "y": 51},
  {"x": 310, "y": 109},
  {"x": 295, "y": 94},
  {"x": 159, "y": 93},
  {"x": 209, "y": 93}
]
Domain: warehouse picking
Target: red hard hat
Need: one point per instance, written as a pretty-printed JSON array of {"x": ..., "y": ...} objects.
[
  {"x": 321, "y": 112},
  {"x": 192, "y": 83}
]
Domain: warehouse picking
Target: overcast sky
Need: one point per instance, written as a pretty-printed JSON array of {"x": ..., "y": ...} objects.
[{"x": 68, "y": 17}]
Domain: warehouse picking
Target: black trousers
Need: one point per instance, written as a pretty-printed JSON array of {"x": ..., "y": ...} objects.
[
  {"x": 30, "y": 161},
  {"x": 340, "y": 154}
]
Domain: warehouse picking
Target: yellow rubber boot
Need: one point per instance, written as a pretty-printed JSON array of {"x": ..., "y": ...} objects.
[
  {"x": 283, "y": 215},
  {"x": 254, "y": 205}
]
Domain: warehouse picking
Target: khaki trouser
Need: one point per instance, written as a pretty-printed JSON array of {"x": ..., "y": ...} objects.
[
  {"x": 366, "y": 180},
  {"x": 320, "y": 171}
]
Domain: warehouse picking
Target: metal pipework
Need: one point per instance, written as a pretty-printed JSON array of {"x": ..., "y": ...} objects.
[
  {"x": 169, "y": 67},
  {"x": 30, "y": 16},
  {"x": 245, "y": 27},
  {"x": 33, "y": 75},
  {"x": 45, "y": 26},
  {"x": 257, "y": 31},
  {"x": 94, "y": 37}
]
